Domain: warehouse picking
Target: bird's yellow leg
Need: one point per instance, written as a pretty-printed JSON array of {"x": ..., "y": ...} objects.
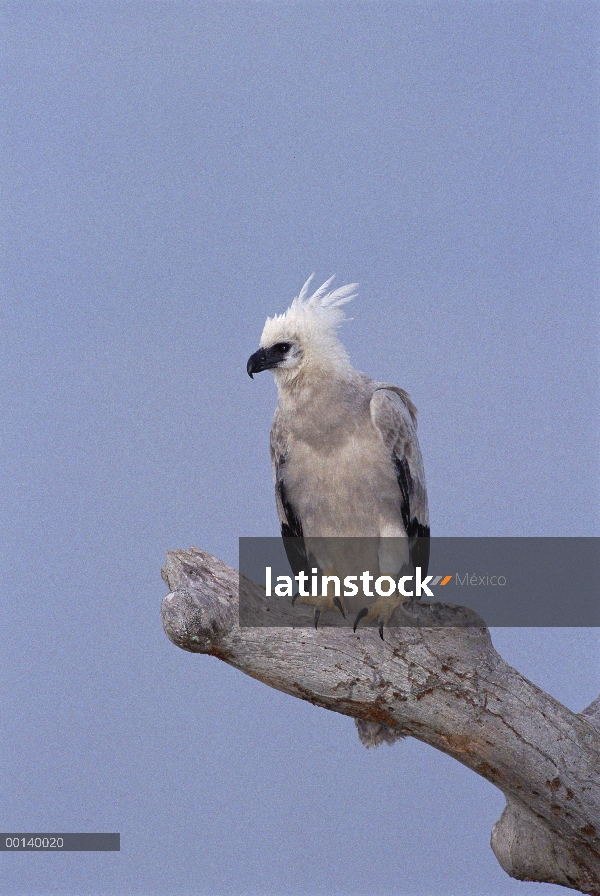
[
  {"x": 327, "y": 601},
  {"x": 380, "y": 611}
]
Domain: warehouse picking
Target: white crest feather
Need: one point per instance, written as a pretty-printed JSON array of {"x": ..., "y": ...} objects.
[
  {"x": 304, "y": 291},
  {"x": 321, "y": 298}
]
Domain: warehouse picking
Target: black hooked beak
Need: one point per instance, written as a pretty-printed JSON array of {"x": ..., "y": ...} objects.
[{"x": 262, "y": 360}]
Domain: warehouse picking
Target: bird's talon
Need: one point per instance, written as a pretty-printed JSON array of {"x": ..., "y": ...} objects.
[
  {"x": 360, "y": 615},
  {"x": 317, "y": 614},
  {"x": 381, "y": 630},
  {"x": 338, "y": 604}
]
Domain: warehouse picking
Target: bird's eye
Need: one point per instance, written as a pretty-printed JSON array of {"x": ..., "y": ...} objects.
[{"x": 284, "y": 347}]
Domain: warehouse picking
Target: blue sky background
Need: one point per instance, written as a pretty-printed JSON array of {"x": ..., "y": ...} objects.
[{"x": 172, "y": 172}]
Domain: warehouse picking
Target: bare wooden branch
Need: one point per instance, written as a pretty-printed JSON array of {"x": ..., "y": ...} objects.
[{"x": 446, "y": 686}]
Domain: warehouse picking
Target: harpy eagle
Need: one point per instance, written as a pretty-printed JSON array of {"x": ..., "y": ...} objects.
[{"x": 344, "y": 450}]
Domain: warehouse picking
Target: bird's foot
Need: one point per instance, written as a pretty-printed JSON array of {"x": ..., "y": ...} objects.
[
  {"x": 381, "y": 611},
  {"x": 322, "y": 603}
]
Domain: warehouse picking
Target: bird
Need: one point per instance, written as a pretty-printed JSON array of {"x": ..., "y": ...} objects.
[{"x": 345, "y": 455}]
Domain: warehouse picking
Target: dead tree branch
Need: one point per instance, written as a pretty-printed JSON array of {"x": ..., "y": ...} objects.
[{"x": 446, "y": 686}]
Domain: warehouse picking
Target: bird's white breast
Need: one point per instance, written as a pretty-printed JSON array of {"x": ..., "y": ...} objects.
[{"x": 345, "y": 486}]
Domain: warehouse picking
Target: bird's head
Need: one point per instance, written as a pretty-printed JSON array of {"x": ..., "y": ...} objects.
[{"x": 304, "y": 337}]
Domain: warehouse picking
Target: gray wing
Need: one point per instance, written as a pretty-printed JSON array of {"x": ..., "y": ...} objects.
[
  {"x": 289, "y": 521},
  {"x": 395, "y": 416}
]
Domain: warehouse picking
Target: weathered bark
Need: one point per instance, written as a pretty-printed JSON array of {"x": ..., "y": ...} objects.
[{"x": 446, "y": 686}]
